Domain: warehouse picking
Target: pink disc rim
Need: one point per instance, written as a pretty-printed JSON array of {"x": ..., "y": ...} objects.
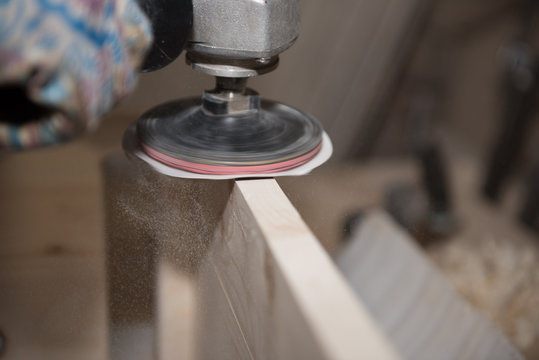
[{"x": 230, "y": 170}]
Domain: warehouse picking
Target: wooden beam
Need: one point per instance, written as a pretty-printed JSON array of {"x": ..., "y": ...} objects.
[
  {"x": 269, "y": 291},
  {"x": 264, "y": 287},
  {"x": 417, "y": 308}
]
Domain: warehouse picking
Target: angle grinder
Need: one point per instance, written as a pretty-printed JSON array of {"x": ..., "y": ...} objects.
[{"x": 230, "y": 130}]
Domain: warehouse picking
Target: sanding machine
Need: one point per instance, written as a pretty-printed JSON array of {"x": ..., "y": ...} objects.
[{"x": 230, "y": 130}]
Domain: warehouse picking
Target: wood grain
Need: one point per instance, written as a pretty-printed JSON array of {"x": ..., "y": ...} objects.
[
  {"x": 52, "y": 296},
  {"x": 416, "y": 307},
  {"x": 269, "y": 291}
]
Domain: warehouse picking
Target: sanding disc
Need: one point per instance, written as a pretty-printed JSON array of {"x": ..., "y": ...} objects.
[{"x": 273, "y": 138}]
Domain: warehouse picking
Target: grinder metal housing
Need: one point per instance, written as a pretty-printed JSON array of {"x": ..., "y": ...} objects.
[{"x": 230, "y": 129}]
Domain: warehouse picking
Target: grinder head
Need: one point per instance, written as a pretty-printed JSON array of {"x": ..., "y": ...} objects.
[
  {"x": 232, "y": 131},
  {"x": 229, "y": 131}
]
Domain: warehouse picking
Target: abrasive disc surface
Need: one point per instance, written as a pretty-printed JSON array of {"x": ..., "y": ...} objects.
[
  {"x": 230, "y": 170},
  {"x": 133, "y": 149},
  {"x": 181, "y": 132}
]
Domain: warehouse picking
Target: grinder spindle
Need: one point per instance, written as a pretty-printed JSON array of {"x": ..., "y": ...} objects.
[{"x": 231, "y": 130}]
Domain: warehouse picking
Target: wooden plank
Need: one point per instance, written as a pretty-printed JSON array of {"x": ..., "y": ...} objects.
[
  {"x": 53, "y": 308},
  {"x": 176, "y": 301},
  {"x": 269, "y": 291},
  {"x": 48, "y": 196},
  {"x": 416, "y": 307},
  {"x": 52, "y": 278}
]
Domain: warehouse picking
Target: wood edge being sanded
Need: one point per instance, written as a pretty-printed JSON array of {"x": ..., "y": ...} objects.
[
  {"x": 265, "y": 288},
  {"x": 269, "y": 290}
]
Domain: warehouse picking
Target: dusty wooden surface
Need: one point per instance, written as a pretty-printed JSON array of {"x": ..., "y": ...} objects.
[
  {"x": 52, "y": 236},
  {"x": 52, "y": 295},
  {"x": 157, "y": 229},
  {"x": 51, "y": 214}
]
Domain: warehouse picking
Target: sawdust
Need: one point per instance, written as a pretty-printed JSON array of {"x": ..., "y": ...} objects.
[
  {"x": 498, "y": 278},
  {"x": 177, "y": 216}
]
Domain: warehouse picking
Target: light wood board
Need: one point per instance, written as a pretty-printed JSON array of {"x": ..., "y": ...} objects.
[
  {"x": 418, "y": 309},
  {"x": 269, "y": 291}
]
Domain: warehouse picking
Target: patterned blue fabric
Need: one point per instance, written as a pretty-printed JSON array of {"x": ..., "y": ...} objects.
[{"x": 76, "y": 57}]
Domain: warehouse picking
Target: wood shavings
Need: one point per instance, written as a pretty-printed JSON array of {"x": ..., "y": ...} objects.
[{"x": 499, "y": 277}]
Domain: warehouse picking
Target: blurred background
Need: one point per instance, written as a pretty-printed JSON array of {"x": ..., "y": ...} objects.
[{"x": 431, "y": 107}]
